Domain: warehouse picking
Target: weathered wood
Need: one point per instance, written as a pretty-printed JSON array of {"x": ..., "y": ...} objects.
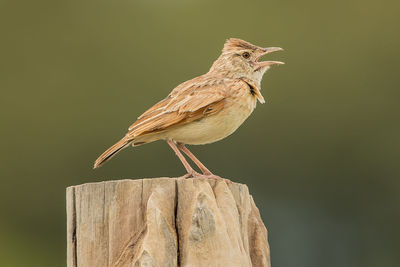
[{"x": 164, "y": 222}]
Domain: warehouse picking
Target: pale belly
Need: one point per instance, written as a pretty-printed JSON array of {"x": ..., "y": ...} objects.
[{"x": 212, "y": 128}]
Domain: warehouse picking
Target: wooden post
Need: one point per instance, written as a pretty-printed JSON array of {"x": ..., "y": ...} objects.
[{"x": 164, "y": 222}]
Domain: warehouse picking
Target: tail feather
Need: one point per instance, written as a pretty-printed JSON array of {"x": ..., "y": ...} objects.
[{"x": 109, "y": 153}]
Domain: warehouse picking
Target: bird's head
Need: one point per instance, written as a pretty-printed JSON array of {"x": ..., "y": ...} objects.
[{"x": 241, "y": 59}]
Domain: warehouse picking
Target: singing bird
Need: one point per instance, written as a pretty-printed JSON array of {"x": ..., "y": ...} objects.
[{"x": 205, "y": 109}]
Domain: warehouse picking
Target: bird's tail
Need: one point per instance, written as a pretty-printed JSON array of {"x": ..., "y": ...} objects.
[{"x": 109, "y": 153}]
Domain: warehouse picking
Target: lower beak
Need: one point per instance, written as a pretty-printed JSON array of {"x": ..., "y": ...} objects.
[{"x": 269, "y": 63}]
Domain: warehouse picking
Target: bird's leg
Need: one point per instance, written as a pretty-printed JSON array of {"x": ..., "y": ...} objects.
[
  {"x": 190, "y": 171},
  {"x": 194, "y": 159},
  {"x": 206, "y": 172}
]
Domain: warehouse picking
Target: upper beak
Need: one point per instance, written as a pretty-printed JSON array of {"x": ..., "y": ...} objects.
[
  {"x": 272, "y": 49},
  {"x": 269, "y": 63}
]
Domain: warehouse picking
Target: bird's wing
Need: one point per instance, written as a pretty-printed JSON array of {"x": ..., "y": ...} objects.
[{"x": 190, "y": 101}]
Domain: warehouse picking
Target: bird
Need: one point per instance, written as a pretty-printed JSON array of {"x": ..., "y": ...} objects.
[{"x": 204, "y": 109}]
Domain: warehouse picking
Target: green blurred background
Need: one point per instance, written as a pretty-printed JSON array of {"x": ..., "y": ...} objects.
[{"x": 321, "y": 157}]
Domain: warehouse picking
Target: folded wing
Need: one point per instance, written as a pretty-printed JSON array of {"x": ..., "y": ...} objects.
[{"x": 190, "y": 101}]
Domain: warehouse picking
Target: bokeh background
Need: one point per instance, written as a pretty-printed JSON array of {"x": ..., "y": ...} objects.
[{"x": 321, "y": 157}]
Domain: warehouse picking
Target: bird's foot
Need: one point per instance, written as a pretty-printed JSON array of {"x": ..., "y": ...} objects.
[
  {"x": 192, "y": 174},
  {"x": 197, "y": 175},
  {"x": 212, "y": 176}
]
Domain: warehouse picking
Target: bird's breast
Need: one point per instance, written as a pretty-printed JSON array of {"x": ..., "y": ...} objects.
[{"x": 238, "y": 106}]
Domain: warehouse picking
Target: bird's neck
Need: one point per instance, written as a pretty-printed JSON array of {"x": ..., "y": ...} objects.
[
  {"x": 225, "y": 69},
  {"x": 254, "y": 78}
]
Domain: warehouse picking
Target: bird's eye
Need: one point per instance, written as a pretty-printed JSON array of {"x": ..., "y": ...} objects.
[{"x": 246, "y": 55}]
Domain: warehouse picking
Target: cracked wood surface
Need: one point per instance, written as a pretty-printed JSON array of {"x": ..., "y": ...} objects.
[{"x": 164, "y": 222}]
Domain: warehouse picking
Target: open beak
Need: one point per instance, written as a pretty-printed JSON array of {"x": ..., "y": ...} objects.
[{"x": 266, "y": 51}]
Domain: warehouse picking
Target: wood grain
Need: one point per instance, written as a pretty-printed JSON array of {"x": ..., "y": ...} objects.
[{"x": 164, "y": 222}]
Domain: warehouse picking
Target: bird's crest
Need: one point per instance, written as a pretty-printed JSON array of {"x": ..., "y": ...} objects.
[{"x": 235, "y": 44}]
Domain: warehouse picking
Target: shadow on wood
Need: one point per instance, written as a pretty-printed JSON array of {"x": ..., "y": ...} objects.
[{"x": 164, "y": 222}]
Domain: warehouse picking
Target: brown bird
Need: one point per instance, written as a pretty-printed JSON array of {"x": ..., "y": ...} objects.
[{"x": 205, "y": 109}]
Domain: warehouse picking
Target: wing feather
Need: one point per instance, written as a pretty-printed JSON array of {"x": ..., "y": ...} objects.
[{"x": 189, "y": 101}]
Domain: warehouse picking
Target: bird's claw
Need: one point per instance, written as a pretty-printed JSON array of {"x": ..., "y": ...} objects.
[
  {"x": 192, "y": 174},
  {"x": 211, "y": 176},
  {"x": 197, "y": 175}
]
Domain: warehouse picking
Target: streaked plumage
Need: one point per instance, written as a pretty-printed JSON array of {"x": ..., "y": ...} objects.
[{"x": 205, "y": 109}]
